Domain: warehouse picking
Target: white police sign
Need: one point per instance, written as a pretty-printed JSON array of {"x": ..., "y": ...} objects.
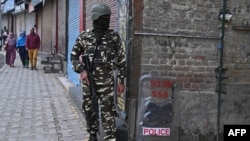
[{"x": 157, "y": 108}]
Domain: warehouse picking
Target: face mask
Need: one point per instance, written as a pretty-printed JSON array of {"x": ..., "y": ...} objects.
[{"x": 101, "y": 24}]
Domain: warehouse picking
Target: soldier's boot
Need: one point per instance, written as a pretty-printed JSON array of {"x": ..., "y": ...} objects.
[{"x": 93, "y": 137}]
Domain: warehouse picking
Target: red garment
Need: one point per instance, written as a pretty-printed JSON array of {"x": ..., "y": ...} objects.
[{"x": 33, "y": 41}]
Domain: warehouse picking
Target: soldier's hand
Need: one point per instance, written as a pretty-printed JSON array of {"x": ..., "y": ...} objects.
[
  {"x": 120, "y": 89},
  {"x": 84, "y": 76}
]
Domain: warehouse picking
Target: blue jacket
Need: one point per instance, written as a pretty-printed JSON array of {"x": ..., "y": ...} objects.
[{"x": 21, "y": 41}]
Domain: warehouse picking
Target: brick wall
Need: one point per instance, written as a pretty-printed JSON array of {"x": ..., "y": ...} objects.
[
  {"x": 192, "y": 61},
  {"x": 180, "y": 39}
]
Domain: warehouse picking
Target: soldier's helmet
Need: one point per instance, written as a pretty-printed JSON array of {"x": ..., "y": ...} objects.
[{"x": 98, "y": 10}]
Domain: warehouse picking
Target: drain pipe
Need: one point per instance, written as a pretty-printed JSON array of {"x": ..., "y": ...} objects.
[
  {"x": 220, "y": 71},
  {"x": 57, "y": 26}
]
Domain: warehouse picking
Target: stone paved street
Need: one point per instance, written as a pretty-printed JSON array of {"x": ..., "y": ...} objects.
[{"x": 36, "y": 106}]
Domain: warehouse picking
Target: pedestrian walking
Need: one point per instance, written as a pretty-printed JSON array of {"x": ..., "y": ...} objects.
[
  {"x": 22, "y": 50},
  {"x": 4, "y": 35},
  {"x": 33, "y": 45},
  {"x": 105, "y": 53},
  {"x": 10, "y": 49}
]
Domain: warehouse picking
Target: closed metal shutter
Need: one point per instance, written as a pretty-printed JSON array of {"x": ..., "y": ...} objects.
[
  {"x": 62, "y": 26},
  {"x": 38, "y": 18},
  {"x": 24, "y": 22},
  {"x": 30, "y": 21},
  {"x": 47, "y": 27},
  {"x": 73, "y": 32},
  {"x": 20, "y": 23},
  {"x": 110, "y": 3}
]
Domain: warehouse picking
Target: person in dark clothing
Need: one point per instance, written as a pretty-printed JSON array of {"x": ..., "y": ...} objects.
[
  {"x": 104, "y": 50},
  {"x": 22, "y": 50},
  {"x": 4, "y": 35}
]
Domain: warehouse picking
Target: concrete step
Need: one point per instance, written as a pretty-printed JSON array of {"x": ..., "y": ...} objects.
[
  {"x": 55, "y": 61},
  {"x": 47, "y": 71},
  {"x": 48, "y": 67},
  {"x": 50, "y": 56},
  {"x": 52, "y": 71},
  {"x": 44, "y": 62}
]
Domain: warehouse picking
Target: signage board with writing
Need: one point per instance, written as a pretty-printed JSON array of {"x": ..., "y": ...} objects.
[
  {"x": 36, "y": 2},
  {"x": 19, "y": 8},
  {"x": 8, "y": 6}
]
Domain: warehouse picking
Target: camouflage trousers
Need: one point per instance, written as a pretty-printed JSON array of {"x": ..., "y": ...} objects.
[{"x": 105, "y": 95}]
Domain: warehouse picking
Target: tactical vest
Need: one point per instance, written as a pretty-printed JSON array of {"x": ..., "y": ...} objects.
[{"x": 103, "y": 53}]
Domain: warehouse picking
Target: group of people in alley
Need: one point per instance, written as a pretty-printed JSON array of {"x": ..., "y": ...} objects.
[
  {"x": 102, "y": 48},
  {"x": 26, "y": 46}
]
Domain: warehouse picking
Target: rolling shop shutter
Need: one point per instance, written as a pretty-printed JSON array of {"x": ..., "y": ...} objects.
[{"x": 73, "y": 32}]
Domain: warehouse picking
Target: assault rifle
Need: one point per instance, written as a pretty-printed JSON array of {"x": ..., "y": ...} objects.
[{"x": 94, "y": 99}]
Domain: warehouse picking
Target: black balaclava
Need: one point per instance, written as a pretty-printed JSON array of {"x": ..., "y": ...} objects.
[{"x": 101, "y": 25}]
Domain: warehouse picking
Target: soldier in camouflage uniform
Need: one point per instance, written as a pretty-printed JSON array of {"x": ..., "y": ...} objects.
[{"x": 105, "y": 45}]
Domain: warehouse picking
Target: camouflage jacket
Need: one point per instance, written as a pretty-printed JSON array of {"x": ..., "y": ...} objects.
[{"x": 109, "y": 54}]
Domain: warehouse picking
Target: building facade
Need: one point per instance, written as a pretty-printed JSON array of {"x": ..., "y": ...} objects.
[{"x": 183, "y": 39}]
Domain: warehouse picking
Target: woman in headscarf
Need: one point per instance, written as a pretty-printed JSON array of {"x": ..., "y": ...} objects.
[
  {"x": 11, "y": 49},
  {"x": 22, "y": 50}
]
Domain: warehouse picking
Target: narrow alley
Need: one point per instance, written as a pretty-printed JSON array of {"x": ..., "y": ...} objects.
[{"x": 36, "y": 106}]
